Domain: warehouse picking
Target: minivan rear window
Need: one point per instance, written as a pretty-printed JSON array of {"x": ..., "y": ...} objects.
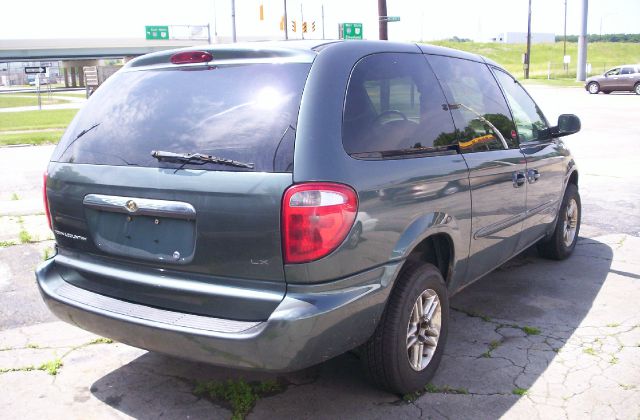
[{"x": 241, "y": 112}]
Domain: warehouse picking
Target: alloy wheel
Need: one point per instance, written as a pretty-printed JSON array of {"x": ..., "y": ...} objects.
[{"x": 423, "y": 330}]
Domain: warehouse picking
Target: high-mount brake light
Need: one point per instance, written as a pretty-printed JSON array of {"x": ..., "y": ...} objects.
[
  {"x": 316, "y": 218},
  {"x": 189, "y": 57}
]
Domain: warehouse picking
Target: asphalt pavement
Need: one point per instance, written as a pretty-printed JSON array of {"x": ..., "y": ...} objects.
[{"x": 534, "y": 339}]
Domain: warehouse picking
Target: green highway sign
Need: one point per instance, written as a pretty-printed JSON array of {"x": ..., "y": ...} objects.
[
  {"x": 157, "y": 32},
  {"x": 350, "y": 30}
]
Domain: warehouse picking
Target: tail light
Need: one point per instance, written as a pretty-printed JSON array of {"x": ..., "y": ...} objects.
[
  {"x": 44, "y": 197},
  {"x": 316, "y": 218}
]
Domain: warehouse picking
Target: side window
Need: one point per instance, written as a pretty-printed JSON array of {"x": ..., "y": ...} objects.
[
  {"x": 394, "y": 106},
  {"x": 613, "y": 72},
  {"x": 480, "y": 113},
  {"x": 626, "y": 70},
  {"x": 530, "y": 122}
]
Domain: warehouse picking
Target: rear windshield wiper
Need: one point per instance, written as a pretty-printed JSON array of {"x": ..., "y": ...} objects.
[{"x": 197, "y": 159}]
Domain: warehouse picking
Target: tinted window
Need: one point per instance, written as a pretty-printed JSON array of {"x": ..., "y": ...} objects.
[
  {"x": 244, "y": 112},
  {"x": 626, "y": 70},
  {"x": 480, "y": 113},
  {"x": 394, "y": 105},
  {"x": 530, "y": 122}
]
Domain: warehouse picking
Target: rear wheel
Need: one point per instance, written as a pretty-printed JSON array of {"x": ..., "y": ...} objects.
[
  {"x": 405, "y": 350},
  {"x": 563, "y": 240},
  {"x": 593, "y": 88},
  {"x": 636, "y": 88}
]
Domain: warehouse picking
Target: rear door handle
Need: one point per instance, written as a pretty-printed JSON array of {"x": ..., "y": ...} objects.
[
  {"x": 533, "y": 175},
  {"x": 518, "y": 179}
]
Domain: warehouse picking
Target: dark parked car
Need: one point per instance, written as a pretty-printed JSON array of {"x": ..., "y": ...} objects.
[
  {"x": 621, "y": 78},
  {"x": 270, "y": 206}
]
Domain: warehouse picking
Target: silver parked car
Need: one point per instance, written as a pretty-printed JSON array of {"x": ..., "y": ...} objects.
[{"x": 622, "y": 78}]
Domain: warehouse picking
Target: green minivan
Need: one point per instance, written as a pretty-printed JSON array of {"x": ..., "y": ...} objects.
[{"x": 269, "y": 206}]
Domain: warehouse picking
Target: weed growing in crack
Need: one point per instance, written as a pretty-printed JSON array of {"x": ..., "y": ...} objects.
[
  {"x": 614, "y": 360},
  {"x": 590, "y": 351},
  {"x": 100, "y": 340},
  {"x": 240, "y": 395},
  {"x": 4, "y": 244},
  {"x": 627, "y": 387},
  {"x": 530, "y": 330},
  {"x": 33, "y": 346},
  {"x": 613, "y": 325},
  {"x": 492, "y": 346},
  {"x": 445, "y": 389},
  {"x": 51, "y": 367},
  {"x": 15, "y": 197},
  {"x": 520, "y": 391},
  {"x": 25, "y": 237}
]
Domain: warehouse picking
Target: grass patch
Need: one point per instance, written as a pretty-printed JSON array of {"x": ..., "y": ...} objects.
[
  {"x": 601, "y": 55},
  {"x": 4, "y": 244},
  {"x": 240, "y": 395},
  {"x": 35, "y": 120},
  {"x": 520, "y": 391},
  {"x": 433, "y": 389},
  {"x": 25, "y": 237},
  {"x": 530, "y": 330},
  {"x": 36, "y": 138},
  {"x": 101, "y": 340},
  {"x": 51, "y": 367},
  {"x": 9, "y": 100}
]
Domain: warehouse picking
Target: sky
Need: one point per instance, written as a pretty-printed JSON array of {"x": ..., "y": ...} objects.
[{"x": 420, "y": 19}]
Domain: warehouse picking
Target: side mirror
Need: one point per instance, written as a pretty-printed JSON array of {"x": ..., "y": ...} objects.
[{"x": 567, "y": 124}]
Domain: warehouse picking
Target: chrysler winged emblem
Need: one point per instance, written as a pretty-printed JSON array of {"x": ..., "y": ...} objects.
[{"x": 131, "y": 206}]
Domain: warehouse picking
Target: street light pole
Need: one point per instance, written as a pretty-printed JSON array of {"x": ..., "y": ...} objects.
[
  {"x": 582, "y": 44},
  {"x": 564, "y": 49},
  {"x": 286, "y": 21},
  {"x": 233, "y": 20},
  {"x": 382, "y": 19},
  {"x": 528, "y": 57}
]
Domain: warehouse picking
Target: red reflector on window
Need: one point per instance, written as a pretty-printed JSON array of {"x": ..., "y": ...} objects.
[
  {"x": 187, "y": 57},
  {"x": 316, "y": 218}
]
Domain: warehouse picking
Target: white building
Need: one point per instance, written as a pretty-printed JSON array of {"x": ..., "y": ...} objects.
[{"x": 521, "y": 37}]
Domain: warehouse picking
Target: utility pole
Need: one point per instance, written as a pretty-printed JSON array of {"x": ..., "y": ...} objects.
[
  {"x": 564, "y": 49},
  {"x": 527, "y": 60},
  {"x": 301, "y": 21},
  {"x": 233, "y": 21},
  {"x": 582, "y": 44},
  {"x": 286, "y": 21},
  {"x": 382, "y": 19},
  {"x": 322, "y": 10}
]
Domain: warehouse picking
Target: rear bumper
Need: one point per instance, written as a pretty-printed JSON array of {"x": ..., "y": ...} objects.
[{"x": 311, "y": 324}]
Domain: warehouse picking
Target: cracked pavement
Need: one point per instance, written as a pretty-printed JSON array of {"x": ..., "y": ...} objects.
[{"x": 534, "y": 339}]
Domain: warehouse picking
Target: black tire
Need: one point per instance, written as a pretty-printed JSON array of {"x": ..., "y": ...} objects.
[
  {"x": 636, "y": 88},
  {"x": 555, "y": 247},
  {"x": 593, "y": 88},
  {"x": 606, "y": 92},
  {"x": 385, "y": 355}
]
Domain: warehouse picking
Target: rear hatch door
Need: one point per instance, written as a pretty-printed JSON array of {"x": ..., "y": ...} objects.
[{"x": 198, "y": 235}]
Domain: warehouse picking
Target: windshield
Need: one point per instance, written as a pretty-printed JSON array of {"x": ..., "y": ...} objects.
[{"x": 244, "y": 112}]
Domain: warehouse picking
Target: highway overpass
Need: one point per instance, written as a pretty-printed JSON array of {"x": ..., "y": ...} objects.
[{"x": 82, "y": 49}]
